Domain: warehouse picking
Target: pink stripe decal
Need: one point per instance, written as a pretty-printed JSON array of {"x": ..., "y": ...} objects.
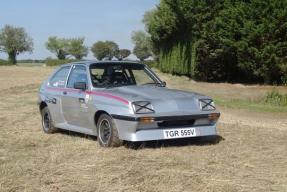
[
  {"x": 91, "y": 93},
  {"x": 108, "y": 96}
]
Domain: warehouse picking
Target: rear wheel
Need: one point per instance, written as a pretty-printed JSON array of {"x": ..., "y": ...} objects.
[
  {"x": 47, "y": 123},
  {"x": 107, "y": 132}
]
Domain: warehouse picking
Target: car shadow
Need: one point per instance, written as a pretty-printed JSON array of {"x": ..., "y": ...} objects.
[
  {"x": 198, "y": 141},
  {"x": 76, "y": 134}
]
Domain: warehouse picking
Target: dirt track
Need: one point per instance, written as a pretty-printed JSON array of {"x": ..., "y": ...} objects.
[
  {"x": 235, "y": 91},
  {"x": 251, "y": 156}
]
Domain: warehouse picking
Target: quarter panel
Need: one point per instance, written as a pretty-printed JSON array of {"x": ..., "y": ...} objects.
[{"x": 53, "y": 100}]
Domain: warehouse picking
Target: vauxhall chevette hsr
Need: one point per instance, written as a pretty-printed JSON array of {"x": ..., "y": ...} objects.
[{"x": 122, "y": 101}]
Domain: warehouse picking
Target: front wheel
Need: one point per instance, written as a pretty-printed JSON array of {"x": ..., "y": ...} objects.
[
  {"x": 47, "y": 122},
  {"x": 107, "y": 132}
]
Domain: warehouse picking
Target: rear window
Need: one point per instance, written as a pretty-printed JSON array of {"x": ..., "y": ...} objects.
[{"x": 60, "y": 77}]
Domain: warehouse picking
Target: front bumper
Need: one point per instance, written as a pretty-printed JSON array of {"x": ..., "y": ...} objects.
[{"x": 131, "y": 129}]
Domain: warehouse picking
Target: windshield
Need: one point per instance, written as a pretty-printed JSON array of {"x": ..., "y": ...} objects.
[{"x": 114, "y": 75}]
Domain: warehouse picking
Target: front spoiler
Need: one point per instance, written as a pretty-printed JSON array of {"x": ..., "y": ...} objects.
[
  {"x": 132, "y": 130},
  {"x": 158, "y": 134}
]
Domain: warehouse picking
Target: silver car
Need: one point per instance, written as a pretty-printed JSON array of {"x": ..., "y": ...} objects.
[{"x": 118, "y": 101}]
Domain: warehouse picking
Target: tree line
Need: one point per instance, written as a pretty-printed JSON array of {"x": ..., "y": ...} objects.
[
  {"x": 15, "y": 40},
  {"x": 207, "y": 40},
  {"x": 221, "y": 40}
]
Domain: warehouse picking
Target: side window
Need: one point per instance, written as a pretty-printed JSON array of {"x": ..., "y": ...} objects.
[
  {"x": 97, "y": 72},
  {"x": 78, "y": 74},
  {"x": 59, "y": 79}
]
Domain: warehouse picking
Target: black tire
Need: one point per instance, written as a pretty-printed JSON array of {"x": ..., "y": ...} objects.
[
  {"x": 107, "y": 132},
  {"x": 47, "y": 123}
]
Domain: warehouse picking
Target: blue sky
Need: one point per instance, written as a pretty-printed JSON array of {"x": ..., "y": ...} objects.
[{"x": 93, "y": 19}]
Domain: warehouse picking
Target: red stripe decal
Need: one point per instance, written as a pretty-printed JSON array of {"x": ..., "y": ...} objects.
[{"x": 91, "y": 93}]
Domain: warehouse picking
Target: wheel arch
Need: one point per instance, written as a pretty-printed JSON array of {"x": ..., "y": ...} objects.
[
  {"x": 42, "y": 105},
  {"x": 98, "y": 114},
  {"x": 114, "y": 139}
]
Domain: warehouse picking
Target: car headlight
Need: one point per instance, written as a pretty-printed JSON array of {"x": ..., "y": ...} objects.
[
  {"x": 142, "y": 107},
  {"x": 206, "y": 105}
]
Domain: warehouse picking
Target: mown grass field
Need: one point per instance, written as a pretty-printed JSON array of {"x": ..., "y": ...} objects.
[{"x": 251, "y": 156}]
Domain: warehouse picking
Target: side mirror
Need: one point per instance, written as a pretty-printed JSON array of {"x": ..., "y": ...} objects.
[
  {"x": 163, "y": 84},
  {"x": 80, "y": 85}
]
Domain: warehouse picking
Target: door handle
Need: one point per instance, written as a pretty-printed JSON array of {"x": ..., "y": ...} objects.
[
  {"x": 65, "y": 92},
  {"x": 81, "y": 100}
]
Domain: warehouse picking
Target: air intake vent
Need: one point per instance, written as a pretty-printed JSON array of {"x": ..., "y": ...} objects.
[
  {"x": 206, "y": 105},
  {"x": 141, "y": 107}
]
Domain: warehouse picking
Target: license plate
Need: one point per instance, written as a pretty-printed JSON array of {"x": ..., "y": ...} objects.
[{"x": 179, "y": 133}]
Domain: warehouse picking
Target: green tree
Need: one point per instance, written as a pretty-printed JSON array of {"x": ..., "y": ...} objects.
[
  {"x": 77, "y": 48},
  {"x": 104, "y": 49},
  {"x": 58, "y": 46},
  {"x": 122, "y": 53},
  {"x": 13, "y": 41},
  {"x": 142, "y": 49},
  {"x": 100, "y": 50},
  {"x": 141, "y": 53},
  {"x": 113, "y": 49},
  {"x": 222, "y": 40}
]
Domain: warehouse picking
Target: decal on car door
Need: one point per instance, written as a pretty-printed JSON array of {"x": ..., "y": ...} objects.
[
  {"x": 84, "y": 102},
  {"x": 51, "y": 100}
]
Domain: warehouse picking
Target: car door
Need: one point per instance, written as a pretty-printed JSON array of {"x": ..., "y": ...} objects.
[
  {"x": 53, "y": 94},
  {"x": 74, "y": 101}
]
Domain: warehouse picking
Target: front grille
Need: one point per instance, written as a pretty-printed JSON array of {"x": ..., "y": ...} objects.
[{"x": 176, "y": 123}]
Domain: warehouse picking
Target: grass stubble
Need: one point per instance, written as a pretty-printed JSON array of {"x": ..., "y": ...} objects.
[{"x": 247, "y": 158}]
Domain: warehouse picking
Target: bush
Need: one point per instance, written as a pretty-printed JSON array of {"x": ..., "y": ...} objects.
[
  {"x": 4, "y": 62},
  {"x": 221, "y": 40},
  {"x": 151, "y": 63},
  {"x": 55, "y": 62},
  {"x": 31, "y": 61},
  {"x": 276, "y": 98},
  {"x": 284, "y": 80}
]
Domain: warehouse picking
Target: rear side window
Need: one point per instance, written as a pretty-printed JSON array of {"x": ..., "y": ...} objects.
[
  {"x": 60, "y": 77},
  {"x": 78, "y": 74}
]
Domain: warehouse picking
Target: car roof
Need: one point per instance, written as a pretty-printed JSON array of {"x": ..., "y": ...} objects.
[{"x": 93, "y": 62}]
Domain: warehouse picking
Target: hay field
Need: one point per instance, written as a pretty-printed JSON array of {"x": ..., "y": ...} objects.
[{"x": 251, "y": 155}]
